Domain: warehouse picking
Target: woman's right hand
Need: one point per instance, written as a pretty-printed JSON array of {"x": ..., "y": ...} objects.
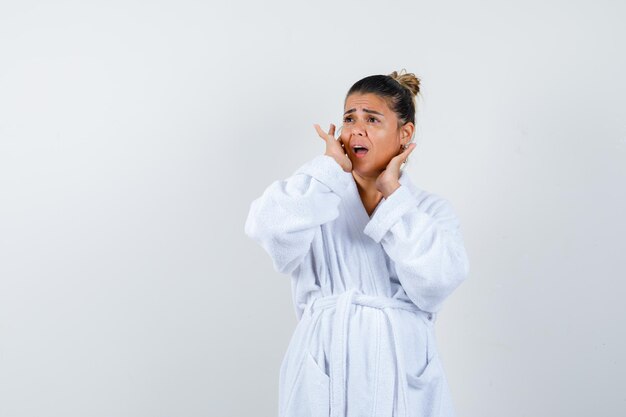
[{"x": 335, "y": 148}]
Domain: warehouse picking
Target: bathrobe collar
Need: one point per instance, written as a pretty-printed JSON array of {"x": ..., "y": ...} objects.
[{"x": 360, "y": 213}]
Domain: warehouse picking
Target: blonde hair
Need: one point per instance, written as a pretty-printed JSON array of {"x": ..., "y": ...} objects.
[{"x": 407, "y": 80}]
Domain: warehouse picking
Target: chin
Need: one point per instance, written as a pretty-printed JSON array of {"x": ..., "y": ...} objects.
[{"x": 366, "y": 171}]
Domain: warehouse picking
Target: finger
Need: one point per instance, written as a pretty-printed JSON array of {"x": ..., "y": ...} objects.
[
  {"x": 406, "y": 151},
  {"x": 320, "y": 131},
  {"x": 409, "y": 149},
  {"x": 331, "y": 131},
  {"x": 401, "y": 157}
]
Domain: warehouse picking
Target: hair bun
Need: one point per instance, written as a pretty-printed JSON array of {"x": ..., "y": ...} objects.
[{"x": 407, "y": 80}]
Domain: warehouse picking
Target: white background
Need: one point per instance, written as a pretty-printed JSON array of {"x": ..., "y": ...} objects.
[{"x": 134, "y": 135}]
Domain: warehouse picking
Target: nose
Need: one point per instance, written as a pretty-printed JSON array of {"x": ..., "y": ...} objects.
[{"x": 357, "y": 129}]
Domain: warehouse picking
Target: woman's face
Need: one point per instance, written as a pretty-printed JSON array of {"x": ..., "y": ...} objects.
[{"x": 369, "y": 122}]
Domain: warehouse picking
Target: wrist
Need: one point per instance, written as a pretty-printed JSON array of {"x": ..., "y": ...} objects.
[{"x": 388, "y": 189}]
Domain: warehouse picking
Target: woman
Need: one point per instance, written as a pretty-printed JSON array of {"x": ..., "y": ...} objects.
[{"x": 371, "y": 257}]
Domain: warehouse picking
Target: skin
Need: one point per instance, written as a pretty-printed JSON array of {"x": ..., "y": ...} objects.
[{"x": 377, "y": 174}]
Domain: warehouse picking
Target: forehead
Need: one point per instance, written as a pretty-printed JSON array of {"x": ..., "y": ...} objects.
[{"x": 370, "y": 101}]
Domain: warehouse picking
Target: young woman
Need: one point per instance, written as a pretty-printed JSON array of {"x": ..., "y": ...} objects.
[{"x": 372, "y": 257}]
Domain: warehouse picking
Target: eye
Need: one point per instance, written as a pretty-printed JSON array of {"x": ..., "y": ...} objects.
[{"x": 350, "y": 118}]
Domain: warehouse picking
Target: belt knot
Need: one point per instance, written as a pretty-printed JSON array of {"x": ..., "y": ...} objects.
[{"x": 339, "y": 341}]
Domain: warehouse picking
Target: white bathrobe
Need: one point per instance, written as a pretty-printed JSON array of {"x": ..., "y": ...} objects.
[{"x": 366, "y": 290}]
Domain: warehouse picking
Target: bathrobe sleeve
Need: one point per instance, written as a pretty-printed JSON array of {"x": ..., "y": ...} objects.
[
  {"x": 423, "y": 239},
  {"x": 285, "y": 218}
]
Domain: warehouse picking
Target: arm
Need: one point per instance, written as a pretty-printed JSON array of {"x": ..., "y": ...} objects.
[
  {"x": 284, "y": 219},
  {"x": 422, "y": 237}
]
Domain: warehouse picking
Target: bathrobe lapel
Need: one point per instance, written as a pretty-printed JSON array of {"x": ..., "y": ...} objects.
[
  {"x": 373, "y": 253},
  {"x": 355, "y": 205}
]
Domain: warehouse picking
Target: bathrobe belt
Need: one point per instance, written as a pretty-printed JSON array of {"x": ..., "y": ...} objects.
[{"x": 338, "y": 355}]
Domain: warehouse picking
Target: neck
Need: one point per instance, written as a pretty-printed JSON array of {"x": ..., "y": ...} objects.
[{"x": 367, "y": 187}]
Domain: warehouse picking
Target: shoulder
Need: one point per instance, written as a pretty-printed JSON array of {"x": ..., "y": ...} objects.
[
  {"x": 431, "y": 203},
  {"x": 326, "y": 170}
]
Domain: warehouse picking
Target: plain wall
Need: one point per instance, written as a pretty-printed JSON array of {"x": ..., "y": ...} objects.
[{"x": 135, "y": 135}]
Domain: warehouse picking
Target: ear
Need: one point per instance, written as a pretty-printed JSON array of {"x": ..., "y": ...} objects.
[{"x": 407, "y": 133}]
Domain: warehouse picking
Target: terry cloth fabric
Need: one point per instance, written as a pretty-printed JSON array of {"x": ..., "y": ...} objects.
[{"x": 366, "y": 291}]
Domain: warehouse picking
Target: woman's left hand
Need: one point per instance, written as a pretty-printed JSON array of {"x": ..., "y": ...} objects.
[{"x": 388, "y": 180}]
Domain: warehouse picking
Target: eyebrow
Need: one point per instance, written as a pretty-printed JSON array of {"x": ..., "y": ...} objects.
[{"x": 365, "y": 110}]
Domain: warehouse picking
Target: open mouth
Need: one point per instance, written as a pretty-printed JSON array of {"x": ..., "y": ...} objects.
[{"x": 359, "y": 150}]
